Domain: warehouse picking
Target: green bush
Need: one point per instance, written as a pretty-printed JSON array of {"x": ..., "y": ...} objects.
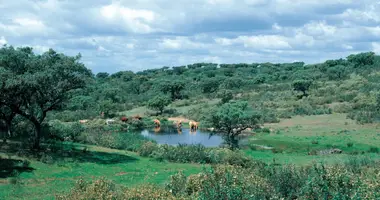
[
  {"x": 117, "y": 140},
  {"x": 66, "y": 130}
]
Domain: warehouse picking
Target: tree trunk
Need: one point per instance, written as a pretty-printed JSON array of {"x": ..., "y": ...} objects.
[
  {"x": 37, "y": 136},
  {"x": 7, "y": 132}
]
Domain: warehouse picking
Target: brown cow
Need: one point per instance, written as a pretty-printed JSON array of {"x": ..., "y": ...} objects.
[
  {"x": 193, "y": 125},
  {"x": 157, "y": 123},
  {"x": 179, "y": 124},
  {"x": 124, "y": 119}
]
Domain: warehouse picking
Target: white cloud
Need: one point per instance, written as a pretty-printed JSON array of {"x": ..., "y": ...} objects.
[
  {"x": 130, "y": 46},
  {"x": 3, "y": 41},
  {"x": 376, "y": 47},
  {"x": 375, "y": 31},
  {"x": 257, "y": 42},
  {"x": 369, "y": 14},
  {"x": 135, "y": 20},
  {"x": 276, "y": 27},
  {"x": 348, "y": 47},
  {"x": 321, "y": 29},
  {"x": 180, "y": 43},
  {"x": 40, "y": 48}
]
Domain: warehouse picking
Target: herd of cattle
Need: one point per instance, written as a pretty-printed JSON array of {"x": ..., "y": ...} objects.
[{"x": 193, "y": 125}]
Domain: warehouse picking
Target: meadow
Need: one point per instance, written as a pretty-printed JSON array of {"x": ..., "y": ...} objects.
[{"x": 292, "y": 139}]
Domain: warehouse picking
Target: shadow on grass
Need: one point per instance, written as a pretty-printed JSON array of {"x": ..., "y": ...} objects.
[
  {"x": 66, "y": 153},
  {"x": 13, "y": 167}
]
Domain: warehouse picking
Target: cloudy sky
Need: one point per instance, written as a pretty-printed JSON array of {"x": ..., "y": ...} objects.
[{"x": 142, "y": 34}]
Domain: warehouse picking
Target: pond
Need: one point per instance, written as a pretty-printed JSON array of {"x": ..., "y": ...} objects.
[{"x": 174, "y": 137}]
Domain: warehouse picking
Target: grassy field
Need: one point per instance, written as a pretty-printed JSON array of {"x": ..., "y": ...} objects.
[
  {"x": 292, "y": 139},
  {"x": 124, "y": 168}
]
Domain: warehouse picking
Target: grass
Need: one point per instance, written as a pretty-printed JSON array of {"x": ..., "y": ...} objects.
[
  {"x": 46, "y": 180},
  {"x": 294, "y": 138}
]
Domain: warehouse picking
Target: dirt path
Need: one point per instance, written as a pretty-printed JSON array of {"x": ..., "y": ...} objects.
[{"x": 183, "y": 119}]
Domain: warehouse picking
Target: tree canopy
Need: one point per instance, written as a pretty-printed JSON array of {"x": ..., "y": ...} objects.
[
  {"x": 33, "y": 85},
  {"x": 231, "y": 119}
]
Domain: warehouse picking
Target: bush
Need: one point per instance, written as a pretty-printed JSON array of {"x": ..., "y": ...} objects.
[
  {"x": 66, "y": 130},
  {"x": 222, "y": 182},
  {"x": 374, "y": 150},
  {"x": 99, "y": 189},
  {"x": 115, "y": 140},
  {"x": 182, "y": 153},
  {"x": 147, "y": 192},
  {"x": 147, "y": 149}
]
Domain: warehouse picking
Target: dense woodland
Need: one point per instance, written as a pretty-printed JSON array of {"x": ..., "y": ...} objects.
[{"x": 43, "y": 96}]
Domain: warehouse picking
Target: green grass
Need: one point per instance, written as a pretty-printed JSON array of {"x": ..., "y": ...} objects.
[
  {"x": 136, "y": 111},
  {"x": 126, "y": 169},
  {"x": 295, "y": 137}
]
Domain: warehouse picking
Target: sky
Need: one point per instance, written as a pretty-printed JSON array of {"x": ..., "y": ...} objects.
[{"x": 118, "y": 35}]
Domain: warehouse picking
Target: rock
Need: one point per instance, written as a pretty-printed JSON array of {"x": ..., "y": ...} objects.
[{"x": 330, "y": 151}]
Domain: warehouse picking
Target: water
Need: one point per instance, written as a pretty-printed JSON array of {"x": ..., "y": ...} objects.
[{"x": 173, "y": 137}]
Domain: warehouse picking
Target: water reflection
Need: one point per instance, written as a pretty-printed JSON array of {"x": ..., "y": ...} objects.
[{"x": 182, "y": 136}]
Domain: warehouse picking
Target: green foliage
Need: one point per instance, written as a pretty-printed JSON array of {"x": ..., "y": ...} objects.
[
  {"x": 37, "y": 84},
  {"x": 362, "y": 59},
  {"x": 195, "y": 154},
  {"x": 231, "y": 119},
  {"x": 302, "y": 86},
  {"x": 173, "y": 88},
  {"x": 226, "y": 96},
  {"x": 66, "y": 130},
  {"x": 159, "y": 103}
]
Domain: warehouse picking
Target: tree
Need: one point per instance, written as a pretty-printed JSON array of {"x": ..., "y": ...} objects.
[
  {"x": 302, "y": 86},
  {"x": 231, "y": 119},
  {"x": 362, "y": 59},
  {"x": 337, "y": 72},
  {"x": 210, "y": 85},
  {"x": 102, "y": 75},
  {"x": 39, "y": 83},
  {"x": 159, "y": 103},
  {"x": 6, "y": 118},
  {"x": 226, "y": 96},
  {"x": 174, "y": 88}
]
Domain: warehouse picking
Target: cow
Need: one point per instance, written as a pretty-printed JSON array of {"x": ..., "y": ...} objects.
[
  {"x": 124, "y": 119},
  {"x": 110, "y": 121},
  {"x": 137, "y": 117},
  {"x": 179, "y": 124},
  {"x": 157, "y": 123},
  {"x": 193, "y": 125},
  {"x": 83, "y": 121}
]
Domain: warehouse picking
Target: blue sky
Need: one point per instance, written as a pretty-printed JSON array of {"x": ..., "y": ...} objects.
[{"x": 142, "y": 34}]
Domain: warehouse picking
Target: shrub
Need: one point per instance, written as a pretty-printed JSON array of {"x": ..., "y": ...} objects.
[
  {"x": 147, "y": 149},
  {"x": 350, "y": 144},
  {"x": 182, "y": 153},
  {"x": 98, "y": 189},
  {"x": 314, "y": 142},
  {"x": 147, "y": 192},
  {"x": 223, "y": 182},
  {"x": 374, "y": 150},
  {"x": 65, "y": 130}
]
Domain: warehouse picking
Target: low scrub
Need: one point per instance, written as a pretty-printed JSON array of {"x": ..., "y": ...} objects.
[
  {"x": 195, "y": 154},
  {"x": 318, "y": 181},
  {"x": 116, "y": 140}
]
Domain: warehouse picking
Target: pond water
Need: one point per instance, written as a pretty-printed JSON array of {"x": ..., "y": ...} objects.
[{"x": 174, "y": 137}]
